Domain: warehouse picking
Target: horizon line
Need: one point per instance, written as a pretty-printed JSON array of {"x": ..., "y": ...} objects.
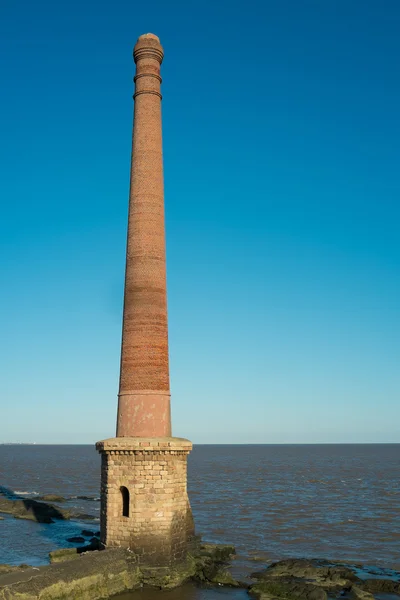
[{"x": 220, "y": 444}]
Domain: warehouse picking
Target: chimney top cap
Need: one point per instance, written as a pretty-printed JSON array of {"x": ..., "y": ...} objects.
[
  {"x": 149, "y": 36},
  {"x": 148, "y": 46}
]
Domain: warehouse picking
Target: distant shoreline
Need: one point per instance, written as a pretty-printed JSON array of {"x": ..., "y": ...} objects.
[{"x": 225, "y": 444}]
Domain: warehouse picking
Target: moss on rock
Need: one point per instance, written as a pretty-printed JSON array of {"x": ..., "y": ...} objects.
[
  {"x": 12, "y": 568},
  {"x": 51, "y": 498},
  {"x": 78, "y": 575},
  {"x": 289, "y": 588},
  {"x": 224, "y": 577},
  {"x": 381, "y": 586},
  {"x": 62, "y": 555},
  {"x": 89, "y": 576},
  {"x": 306, "y": 579}
]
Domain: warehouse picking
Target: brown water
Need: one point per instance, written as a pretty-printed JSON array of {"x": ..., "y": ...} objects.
[
  {"x": 270, "y": 501},
  {"x": 190, "y": 592}
]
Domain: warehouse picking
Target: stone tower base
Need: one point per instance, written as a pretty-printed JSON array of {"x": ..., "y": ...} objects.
[{"x": 144, "y": 501}]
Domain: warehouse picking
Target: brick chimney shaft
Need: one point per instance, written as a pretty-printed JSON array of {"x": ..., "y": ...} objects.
[{"x": 144, "y": 395}]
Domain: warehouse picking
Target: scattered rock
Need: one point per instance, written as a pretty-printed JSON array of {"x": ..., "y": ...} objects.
[
  {"x": 288, "y": 588},
  {"x": 320, "y": 572},
  {"x": 379, "y": 586},
  {"x": 94, "y": 541},
  {"x": 93, "y": 544},
  {"x": 12, "y": 568},
  {"x": 305, "y": 579},
  {"x": 62, "y": 555},
  {"x": 82, "y": 516},
  {"x": 66, "y": 553},
  {"x": 88, "y": 533},
  {"x": 359, "y": 594},
  {"x": 51, "y": 498},
  {"x": 224, "y": 577},
  {"x": 32, "y": 517},
  {"x": 33, "y": 510},
  {"x": 89, "y": 498},
  {"x": 92, "y": 574},
  {"x": 300, "y": 579},
  {"x": 218, "y": 552},
  {"x": 210, "y": 564},
  {"x": 75, "y": 573},
  {"x": 42, "y": 512}
]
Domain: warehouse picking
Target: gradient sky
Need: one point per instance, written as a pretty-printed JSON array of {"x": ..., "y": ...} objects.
[{"x": 281, "y": 144}]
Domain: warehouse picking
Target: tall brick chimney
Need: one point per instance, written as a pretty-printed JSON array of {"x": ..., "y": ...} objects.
[
  {"x": 144, "y": 396},
  {"x": 144, "y": 502}
]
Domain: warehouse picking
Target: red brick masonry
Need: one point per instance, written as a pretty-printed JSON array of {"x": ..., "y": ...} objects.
[{"x": 144, "y": 396}]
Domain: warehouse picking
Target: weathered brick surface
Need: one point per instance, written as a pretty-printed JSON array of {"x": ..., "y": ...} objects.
[
  {"x": 153, "y": 470},
  {"x": 144, "y": 397}
]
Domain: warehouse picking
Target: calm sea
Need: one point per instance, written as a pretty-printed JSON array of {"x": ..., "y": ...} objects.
[{"x": 271, "y": 501}]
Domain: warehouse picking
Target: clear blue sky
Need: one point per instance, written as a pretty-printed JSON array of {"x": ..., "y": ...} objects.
[{"x": 281, "y": 143}]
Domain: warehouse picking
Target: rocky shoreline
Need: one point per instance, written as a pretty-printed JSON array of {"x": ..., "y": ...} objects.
[
  {"x": 95, "y": 575},
  {"x": 41, "y": 509},
  {"x": 303, "y": 579},
  {"x": 87, "y": 574}
]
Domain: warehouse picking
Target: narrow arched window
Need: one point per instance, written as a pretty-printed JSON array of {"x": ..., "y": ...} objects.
[{"x": 125, "y": 501}]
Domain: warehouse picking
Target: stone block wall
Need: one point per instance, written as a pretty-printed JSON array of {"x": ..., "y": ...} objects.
[{"x": 144, "y": 501}]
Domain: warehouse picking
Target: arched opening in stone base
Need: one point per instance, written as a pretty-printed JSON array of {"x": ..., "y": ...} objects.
[{"x": 125, "y": 501}]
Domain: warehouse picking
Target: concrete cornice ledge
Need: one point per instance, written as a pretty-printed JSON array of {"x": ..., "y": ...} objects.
[{"x": 144, "y": 444}]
